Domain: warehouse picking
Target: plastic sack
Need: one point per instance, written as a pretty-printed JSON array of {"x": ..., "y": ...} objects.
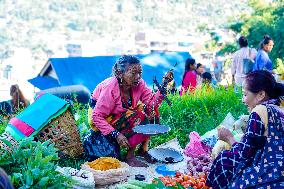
[
  {"x": 82, "y": 178},
  {"x": 241, "y": 124},
  {"x": 238, "y": 130},
  {"x": 209, "y": 134},
  {"x": 238, "y": 137},
  {"x": 229, "y": 121},
  {"x": 210, "y": 141},
  {"x": 210, "y": 137},
  {"x": 195, "y": 148},
  {"x": 219, "y": 147}
]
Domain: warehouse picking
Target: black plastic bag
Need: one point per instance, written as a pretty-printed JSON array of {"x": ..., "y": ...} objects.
[{"x": 97, "y": 145}]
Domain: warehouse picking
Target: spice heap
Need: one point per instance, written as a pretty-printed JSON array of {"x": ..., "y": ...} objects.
[{"x": 105, "y": 163}]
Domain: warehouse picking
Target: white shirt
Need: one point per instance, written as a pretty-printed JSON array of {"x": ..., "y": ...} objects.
[{"x": 237, "y": 64}]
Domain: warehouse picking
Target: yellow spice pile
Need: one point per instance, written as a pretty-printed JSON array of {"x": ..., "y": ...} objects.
[{"x": 105, "y": 163}]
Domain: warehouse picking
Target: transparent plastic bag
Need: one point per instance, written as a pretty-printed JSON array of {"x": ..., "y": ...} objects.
[
  {"x": 82, "y": 178},
  {"x": 229, "y": 121}
]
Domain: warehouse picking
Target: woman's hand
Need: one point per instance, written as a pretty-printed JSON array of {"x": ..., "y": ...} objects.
[
  {"x": 122, "y": 141},
  {"x": 226, "y": 135}
]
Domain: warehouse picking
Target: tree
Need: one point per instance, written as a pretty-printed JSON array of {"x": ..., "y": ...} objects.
[{"x": 266, "y": 19}]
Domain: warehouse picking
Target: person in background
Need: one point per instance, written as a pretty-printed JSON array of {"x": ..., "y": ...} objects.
[
  {"x": 237, "y": 68},
  {"x": 206, "y": 78},
  {"x": 257, "y": 160},
  {"x": 120, "y": 103},
  {"x": 207, "y": 81},
  {"x": 5, "y": 182},
  {"x": 171, "y": 85},
  {"x": 218, "y": 68},
  {"x": 5, "y": 110},
  {"x": 18, "y": 100},
  {"x": 199, "y": 71},
  {"x": 262, "y": 61},
  {"x": 189, "y": 79}
]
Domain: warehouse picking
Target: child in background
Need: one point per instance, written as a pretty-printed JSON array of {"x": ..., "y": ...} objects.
[
  {"x": 207, "y": 81},
  {"x": 206, "y": 78}
]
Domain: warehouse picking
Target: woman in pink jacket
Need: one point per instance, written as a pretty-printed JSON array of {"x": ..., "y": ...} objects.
[
  {"x": 189, "y": 79},
  {"x": 120, "y": 103}
]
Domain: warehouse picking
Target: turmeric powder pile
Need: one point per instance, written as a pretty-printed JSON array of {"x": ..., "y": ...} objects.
[{"x": 105, "y": 163}]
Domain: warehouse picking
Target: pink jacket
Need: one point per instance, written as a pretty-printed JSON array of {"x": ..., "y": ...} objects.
[
  {"x": 189, "y": 82},
  {"x": 107, "y": 94}
]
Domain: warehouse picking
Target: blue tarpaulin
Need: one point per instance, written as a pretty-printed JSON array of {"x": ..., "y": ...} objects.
[
  {"x": 90, "y": 71},
  {"x": 44, "y": 82}
]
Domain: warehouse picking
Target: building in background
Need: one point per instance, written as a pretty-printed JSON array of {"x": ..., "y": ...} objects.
[{"x": 74, "y": 50}]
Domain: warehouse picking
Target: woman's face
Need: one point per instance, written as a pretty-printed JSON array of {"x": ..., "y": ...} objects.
[
  {"x": 268, "y": 47},
  {"x": 251, "y": 99},
  {"x": 132, "y": 75},
  {"x": 200, "y": 70},
  {"x": 192, "y": 66}
]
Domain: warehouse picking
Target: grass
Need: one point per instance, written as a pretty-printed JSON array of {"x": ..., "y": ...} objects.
[{"x": 198, "y": 112}]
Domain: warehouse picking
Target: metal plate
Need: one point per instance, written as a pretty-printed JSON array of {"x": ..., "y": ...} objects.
[
  {"x": 167, "y": 155},
  {"x": 151, "y": 129}
]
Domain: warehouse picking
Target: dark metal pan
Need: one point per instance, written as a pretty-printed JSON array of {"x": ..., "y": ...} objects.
[{"x": 167, "y": 155}]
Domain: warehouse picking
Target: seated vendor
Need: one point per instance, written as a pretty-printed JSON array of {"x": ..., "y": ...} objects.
[
  {"x": 258, "y": 160},
  {"x": 120, "y": 103}
]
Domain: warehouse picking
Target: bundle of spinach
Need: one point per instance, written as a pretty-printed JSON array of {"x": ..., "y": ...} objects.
[{"x": 33, "y": 164}]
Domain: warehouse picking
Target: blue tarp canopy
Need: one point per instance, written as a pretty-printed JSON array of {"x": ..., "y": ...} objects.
[
  {"x": 45, "y": 82},
  {"x": 90, "y": 71}
]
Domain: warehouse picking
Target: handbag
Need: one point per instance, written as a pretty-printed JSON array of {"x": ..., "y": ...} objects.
[
  {"x": 97, "y": 145},
  {"x": 248, "y": 64}
]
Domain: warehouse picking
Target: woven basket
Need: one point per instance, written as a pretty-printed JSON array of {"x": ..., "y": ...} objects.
[
  {"x": 7, "y": 143},
  {"x": 109, "y": 176},
  {"x": 63, "y": 131}
]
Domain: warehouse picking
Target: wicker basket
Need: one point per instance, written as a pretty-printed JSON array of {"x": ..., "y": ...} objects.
[
  {"x": 7, "y": 143},
  {"x": 109, "y": 176},
  {"x": 63, "y": 131}
]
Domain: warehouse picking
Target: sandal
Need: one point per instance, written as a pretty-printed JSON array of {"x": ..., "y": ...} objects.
[
  {"x": 133, "y": 162},
  {"x": 147, "y": 157}
]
